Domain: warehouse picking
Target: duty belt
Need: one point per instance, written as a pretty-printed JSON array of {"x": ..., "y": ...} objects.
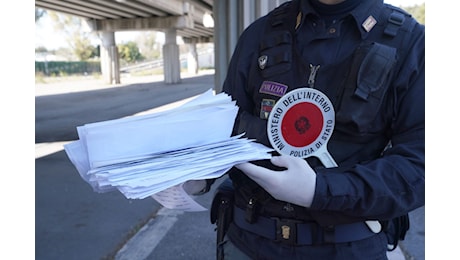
[{"x": 296, "y": 232}]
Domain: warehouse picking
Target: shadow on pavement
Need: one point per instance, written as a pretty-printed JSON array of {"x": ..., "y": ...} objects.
[{"x": 57, "y": 116}]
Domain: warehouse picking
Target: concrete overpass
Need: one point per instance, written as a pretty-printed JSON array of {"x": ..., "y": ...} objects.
[{"x": 183, "y": 18}]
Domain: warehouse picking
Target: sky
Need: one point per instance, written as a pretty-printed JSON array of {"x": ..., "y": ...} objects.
[{"x": 46, "y": 36}]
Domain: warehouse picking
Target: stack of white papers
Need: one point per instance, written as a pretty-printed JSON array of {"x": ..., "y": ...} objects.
[{"x": 151, "y": 154}]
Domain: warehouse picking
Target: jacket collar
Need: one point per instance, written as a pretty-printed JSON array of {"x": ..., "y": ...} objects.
[{"x": 364, "y": 14}]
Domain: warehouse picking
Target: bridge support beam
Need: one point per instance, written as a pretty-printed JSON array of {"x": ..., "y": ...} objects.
[
  {"x": 110, "y": 66},
  {"x": 171, "y": 62}
]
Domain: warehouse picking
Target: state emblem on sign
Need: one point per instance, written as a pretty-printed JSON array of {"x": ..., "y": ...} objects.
[{"x": 301, "y": 123}]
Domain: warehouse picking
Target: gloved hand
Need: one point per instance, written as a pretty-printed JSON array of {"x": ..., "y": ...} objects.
[
  {"x": 194, "y": 187},
  {"x": 295, "y": 185}
]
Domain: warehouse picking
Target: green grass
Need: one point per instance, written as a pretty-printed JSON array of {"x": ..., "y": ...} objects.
[{"x": 42, "y": 79}]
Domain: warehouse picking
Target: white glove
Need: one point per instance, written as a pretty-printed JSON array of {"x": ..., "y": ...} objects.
[
  {"x": 194, "y": 187},
  {"x": 295, "y": 185}
]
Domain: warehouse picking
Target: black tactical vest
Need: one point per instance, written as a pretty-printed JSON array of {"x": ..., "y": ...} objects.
[{"x": 361, "y": 86}]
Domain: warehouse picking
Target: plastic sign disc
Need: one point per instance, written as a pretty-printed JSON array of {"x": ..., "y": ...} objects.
[{"x": 301, "y": 123}]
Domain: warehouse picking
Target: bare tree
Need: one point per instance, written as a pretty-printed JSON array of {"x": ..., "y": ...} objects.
[
  {"x": 39, "y": 13},
  {"x": 77, "y": 36}
]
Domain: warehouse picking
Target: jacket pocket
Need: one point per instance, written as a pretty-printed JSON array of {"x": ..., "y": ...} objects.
[{"x": 365, "y": 90}]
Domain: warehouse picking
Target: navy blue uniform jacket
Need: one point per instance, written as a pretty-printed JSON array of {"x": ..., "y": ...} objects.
[{"x": 371, "y": 182}]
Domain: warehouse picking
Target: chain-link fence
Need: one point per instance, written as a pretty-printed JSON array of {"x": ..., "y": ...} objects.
[{"x": 64, "y": 68}]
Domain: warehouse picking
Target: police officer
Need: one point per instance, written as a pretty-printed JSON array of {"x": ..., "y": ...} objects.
[{"x": 368, "y": 59}]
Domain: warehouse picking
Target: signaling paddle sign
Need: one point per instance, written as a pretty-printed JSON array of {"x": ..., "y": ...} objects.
[{"x": 301, "y": 123}]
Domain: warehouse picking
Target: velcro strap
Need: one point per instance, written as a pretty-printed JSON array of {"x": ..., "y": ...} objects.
[
  {"x": 276, "y": 39},
  {"x": 279, "y": 58},
  {"x": 395, "y": 21}
]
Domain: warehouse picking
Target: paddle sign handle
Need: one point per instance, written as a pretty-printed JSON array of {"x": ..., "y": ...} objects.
[{"x": 326, "y": 158}]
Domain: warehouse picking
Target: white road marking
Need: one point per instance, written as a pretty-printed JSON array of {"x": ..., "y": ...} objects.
[{"x": 145, "y": 241}]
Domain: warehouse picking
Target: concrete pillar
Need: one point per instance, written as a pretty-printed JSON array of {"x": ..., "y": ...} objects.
[
  {"x": 247, "y": 9},
  {"x": 192, "y": 59},
  {"x": 232, "y": 27},
  {"x": 171, "y": 57},
  {"x": 231, "y": 18},
  {"x": 110, "y": 65},
  {"x": 226, "y": 33}
]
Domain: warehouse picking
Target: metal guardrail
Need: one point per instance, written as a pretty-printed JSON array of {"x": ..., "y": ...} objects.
[
  {"x": 142, "y": 66},
  {"x": 158, "y": 63}
]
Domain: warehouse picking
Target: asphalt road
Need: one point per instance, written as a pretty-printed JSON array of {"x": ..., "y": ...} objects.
[
  {"x": 74, "y": 222},
  {"x": 71, "y": 220}
]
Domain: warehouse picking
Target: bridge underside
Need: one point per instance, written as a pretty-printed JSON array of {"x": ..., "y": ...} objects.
[{"x": 184, "y": 18}]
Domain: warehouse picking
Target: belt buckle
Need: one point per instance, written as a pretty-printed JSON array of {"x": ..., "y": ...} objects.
[{"x": 286, "y": 230}]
